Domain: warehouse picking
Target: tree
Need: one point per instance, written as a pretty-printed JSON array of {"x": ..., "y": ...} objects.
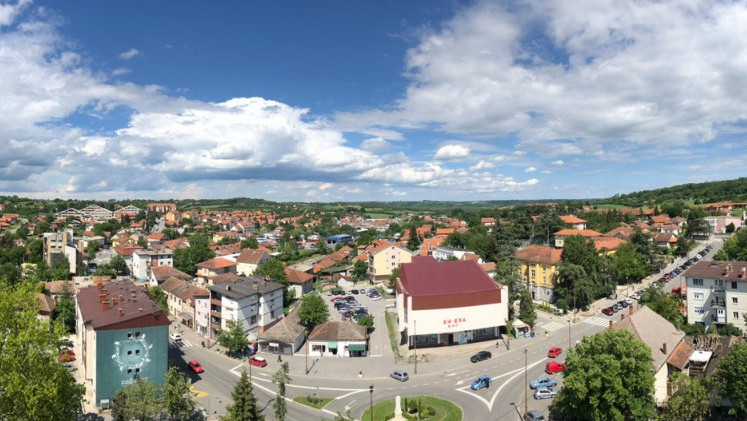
[
  {"x": 730, "y": 228},
  {"x": 177, "y": 398},
  {"x": 689, "y": 400},
  {"x": 159, "y": 296},
  {"x": 186, "y": 259},
  {"x": 628, "y": 264},
  {"x": 11, "y": 273},
  {"x": 393, "y": 278},
  {"x": 250, "y": 242},
  {"x": 366, "y": 322},
  {"x": 233, "y": 338},
  {"x": 92, "y": 248},
  {"x": 244, "y": 406},
  {"x": 65, "y": 313},
  {"x": 313, "y": 311},
  {"x": 663, "y": 304},
  {"x": 607, "y": 377},
  {"x": 60, "y": 268},
  {"x": 360, "y": 270},
  {"x": 33, "y": 385},
  {"x": 138, "y": 401},
  {"x": 273, "y": 268},
  {"x": 281, "y": 378},
  {"x": 35, "y": 251},
  {"x": 731, "y": 377},
  {"x": 118, "y": 264},
  {"x": 527, "y": 314}
]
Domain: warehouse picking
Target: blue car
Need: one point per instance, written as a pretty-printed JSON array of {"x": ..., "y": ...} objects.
[
  {"x": 482, "y": 381},
  {"x": 542, "y": 382}
]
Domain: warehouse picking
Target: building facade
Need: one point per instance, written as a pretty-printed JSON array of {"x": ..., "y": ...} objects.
[
  {"x": 257, "y": 303},
  {"x": 448, "y": 302},
  {"x": 143, "y": 261},
  {"x": 717, "y": 293},
  {"x": 538, "y": 266},
  {"x": 57, "y": 245},
  {"x": 384, "y": 258}
]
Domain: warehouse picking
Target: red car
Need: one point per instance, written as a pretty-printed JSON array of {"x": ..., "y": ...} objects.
[
  {"x": 66, "y": 356},
  {"x": 335, "y": 299},
  {"x": 608, "y": 311},
  {"x": 258, "y": 361},
  {"x": 196, "y": 367},
  {"x": 554, "y": 352},
  {"x": 553, "y": 367}
]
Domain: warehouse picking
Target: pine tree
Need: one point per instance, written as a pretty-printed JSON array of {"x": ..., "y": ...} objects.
[
  {"x": 244, "y": 406},
  {"x": 281, "y": 377}
]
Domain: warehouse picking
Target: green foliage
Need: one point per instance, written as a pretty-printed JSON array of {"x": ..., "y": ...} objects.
[
  {"x": 735, "y": 247},
  {"x": 11, "y": 273},
  {"x": 177, "y": 398},
  {"x": 186, "y": 259},
  {"x": 360, "y": 270},
  {"x": 273, "y": 268},
  {"x": 35, "y": 251},
  {"x": 244, "y": 406},
  {"x": 527, "y": 314},
  {"x": 731, "y": 377},
  {"x": 251, "y": 243},
  {"x": 694, "y": 329},
  {"x": 628, "y": 264},
  {"x": 110, "y": 226},
  {"x": 689, "y": 400},
  {"x": 233, "y": 338},
  {"x": 730, "y": 330},
  {"x": 118, "y": 264},
  {"x": 607, "y": 377},
  {"x": 159, "y": 296},
  {"x": 281, "y": 378},
  {"x": 393, "y": 278},
  {"x": 313, "y": 311},
  {"x": 366, "y": 322},
  {"x": 65, "y": 313},
  {"x": 663, "y": 304},
  {"x": 697, "y": 227},
  {"x": 34, "y": 386},
  {"x": 136, "y": 401},
  {"x": 92, "y": 248}
]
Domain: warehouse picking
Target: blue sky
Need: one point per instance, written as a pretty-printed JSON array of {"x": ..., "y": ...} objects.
[{"x": 353, "y": 100}]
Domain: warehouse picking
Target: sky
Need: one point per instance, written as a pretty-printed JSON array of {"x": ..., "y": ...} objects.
[{"x": 351, "y": 100}]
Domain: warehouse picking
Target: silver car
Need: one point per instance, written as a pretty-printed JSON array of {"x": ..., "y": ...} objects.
[{"x": 400, "y": 375}]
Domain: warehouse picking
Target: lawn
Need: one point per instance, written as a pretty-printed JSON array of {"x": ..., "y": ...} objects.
[
  {"x": 445, "y": 410},
  {"x": 316, "y": 403}
]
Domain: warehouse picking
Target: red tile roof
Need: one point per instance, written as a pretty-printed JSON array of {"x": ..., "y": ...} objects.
[
  {"x": 570, "y": 219},
  {"x": 251, "y": 256},
  {"x": 539, "y": 254},
  {"x": 216, "y": 263},
  {"x": 426, "y": 276},
  {"x": 584, "y": 233},
  {"x": 297, "y": 277}
]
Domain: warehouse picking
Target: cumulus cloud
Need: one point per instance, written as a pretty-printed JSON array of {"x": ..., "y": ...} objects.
[
  {"x": 530, "y": 169},
  {"x": 132, "y": 52},
  {"x": 376, "y": 144},
  {"x": 558, "y": 163},
  {"x": 452, "y": 152},
  {"x": 483, "y": 165},
  {"x": 326, "y": 186},
  {"x": 121, "y": 71}
]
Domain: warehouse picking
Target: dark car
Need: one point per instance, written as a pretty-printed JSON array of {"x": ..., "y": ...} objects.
[
  {"x": 622, "y": 303},
  {"x": 608, "y": 311},
  {"x": 481, "y": 356},
  {"x": 354, "y": 291}
]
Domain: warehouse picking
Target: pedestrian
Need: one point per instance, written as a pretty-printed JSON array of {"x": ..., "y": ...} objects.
[{"x": 280, "y": 358}]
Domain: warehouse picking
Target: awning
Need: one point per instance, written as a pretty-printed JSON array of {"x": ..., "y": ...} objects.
[
  {"x": 185, "y": 315},
  {"x": 332, "y": 345},
  {"x": 357, "y": 347}
]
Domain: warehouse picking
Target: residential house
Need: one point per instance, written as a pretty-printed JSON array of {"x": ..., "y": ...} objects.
[
  {"x": 561, "y": 235},
  {"x": 285, "y": 337},
  {"x": 449, "y": 253},
  {"x": 666, "y": 240},
  {"x": 144, "y": 260},
  {"x": 717, "y": 293},
  {"x": 575, "y": 222},
  {"x": 160, "y": 274},
  {"x": 180, "y": 299},
  {"x": 207, "y": 270},
  {"x": 384, "y": 258},
  {"x": 662, "y": 337},
  {"x": 341, "y": 339},
  {"x": 300, "y": 282},
  {"x": 257, "y": 303},
  {"x": 719, "y": 223},
  {"x": 155, "y": 238},
  {"x": 47, "y": 306},
  {"x": 250, "y": 259},
  {"x": 607, "y": 245},
  {"x": 538, "y": 266},
  {"x": 123, "y": 336},
  {"x": 488, "y": 222}
]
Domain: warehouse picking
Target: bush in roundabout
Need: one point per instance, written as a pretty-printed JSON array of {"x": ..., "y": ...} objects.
[{"x": 416, "y": 408}]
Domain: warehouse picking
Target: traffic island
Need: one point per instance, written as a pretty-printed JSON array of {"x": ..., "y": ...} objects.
[{"x": 416, "y": 408}]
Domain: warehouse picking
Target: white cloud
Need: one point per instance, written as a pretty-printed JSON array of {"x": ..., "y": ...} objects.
[
  {"x": 121, "y": 71},
  {"x": 132, "y": 52},
  {"x": 530, "y": 169},
  {"x": 325, "y": 186},
  {"x": 452, "y": 152},
  {"x": 558, "y": 163},
  {"x": 376, "y": 144},
  {"x": 483, "y": 165}
]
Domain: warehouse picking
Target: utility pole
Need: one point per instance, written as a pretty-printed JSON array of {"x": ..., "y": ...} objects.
[
  {"x": 569, "y": 333},
  {"x": 307, "y": 354},
  {"x": 415, "y": 341},
  {"x": 526, "y": 394},
  {"x": 370, "y": 389}
]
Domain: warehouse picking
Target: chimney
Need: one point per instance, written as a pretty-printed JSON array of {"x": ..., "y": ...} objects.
[
  {"x": 121, "y": 312},
  {"x": 105, "y": 305},
  {"x": 622, "y": 317},
  {"x": 102, "y": 297},
  {"x": 611, "y": 324},
  {"x": 114, "y": 301},
  {"x": 255, "y": 287},
  {"x": 140, "y": 309},
  {"x": 630, "y": 310},
  {"x": 664, "y": 348},
  {"x": 228, "y": 287},
  {"x": 120, "y": 298},
  {"x": 99, "y": 285}
]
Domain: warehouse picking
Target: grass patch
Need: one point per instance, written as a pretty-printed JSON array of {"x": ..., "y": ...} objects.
[
  {"x": 316, "y": 403},
  {"x": 390, "y": 329},
  {"x": 444, "y": 410}
]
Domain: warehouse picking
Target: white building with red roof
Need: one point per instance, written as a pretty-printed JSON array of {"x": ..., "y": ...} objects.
[{"x": 448, "y": 302}]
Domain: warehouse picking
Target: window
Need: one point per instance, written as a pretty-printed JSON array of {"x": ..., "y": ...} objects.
[
  {"x": 254, "y": 319},
  {"x": 697, "y": 282},
  {"x": 733, "y": 285},
  {"x": 735, "y": 314},
  {"x": 734, "y": 300},
  {"x": 129, "y": 352},
  {"x": 699, "y": 310},
  {"x": 137, "y": 334},
  {"x": 698, "y": 296},
  {"x": 137, "y": 352},
  {"x": 129, "y": 335},
  {"x": 719, "y": 282},
  {"x": 533, "y": 273}
]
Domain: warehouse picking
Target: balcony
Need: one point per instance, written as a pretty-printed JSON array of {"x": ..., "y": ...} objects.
[
  {"x": 216, "y": 315},
  {"x": 216, "y": 303}
]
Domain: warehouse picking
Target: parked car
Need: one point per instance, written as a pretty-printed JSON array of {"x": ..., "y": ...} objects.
[
  {"x": 543, "y": 382},
  {"x": 545, "y": 393},
  {"x": 376, "y": 297},
  {"x": 534, "y": 416},
  {"x": 554, "y": 352},
  {"x": 623, "y": 304},
  {"x": 608, "y": 311},
  {"x": 66, "y": 356},
  {"x": 616, "y": 307},
  {"x": 195, "y": 366},
  {"x": 175, "y": 337},
  {"x": 354, "y": 291},
  {"x": 399, "y": 375},
  {"x": 258, "y": 361},
  {"x": 627, "y": 301},
  {"x": 482, "y": 381},
  {"x": 553, "y": 367},
  {"x": 335, "y": 299},
  {"x": 328, "y": 293},
  {"x": 481, "y": 356}
]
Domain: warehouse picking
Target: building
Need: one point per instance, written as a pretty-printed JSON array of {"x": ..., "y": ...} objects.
[
  {"x": 384, "y": 258},
  {"x": 538, "y": 266},
  {"x": 449, "y": 253},
  {"x": 161, "y": 207},
  {"x": 561, "y": 235},
  {"x": 160, "y": 274},
  {"x": 340, "y": 339},
  {"x": 123, "y": 335},
  {"x": 181, "y": 297},
  {"x": 575, "y": 222},
  {"x": 719, "y": 223},
  {"x": 47, "y": 306},
  {"x": 717, "y": 293},
  {"x": 144, "y": 260},
  {"x": 57, "y": 245},
  {"x": 257, "y": 303},
  {"x": 249, "y": 260},
  {"x": 448, "y": 302},
  {"x": 209, "y": 269},
  {"x": 334, "y": 240},
  {"x": 300, "y": 282},
  {"x": 285, "y": 337}
]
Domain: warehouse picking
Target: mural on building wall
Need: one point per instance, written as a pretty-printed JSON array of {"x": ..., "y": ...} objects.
[{"x": 132, "y": 354}]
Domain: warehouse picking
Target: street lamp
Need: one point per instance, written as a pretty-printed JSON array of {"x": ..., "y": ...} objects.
[
  {"x": 370, "y": 392},
  {"x": 415, "y": 341},
  {"x": 526, "y": 395}
]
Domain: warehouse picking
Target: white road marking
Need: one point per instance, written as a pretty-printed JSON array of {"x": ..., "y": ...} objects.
[{"x": 517, "y": 372}]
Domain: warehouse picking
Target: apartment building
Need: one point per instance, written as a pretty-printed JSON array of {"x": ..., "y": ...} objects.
[
  {"x": 538, "y": 266},
  {"x": 57, "y": 245},
  {"x": 717, "y": 293},
  {"x": 144, "y": 260},
  {"x": 255, "y": 302}
]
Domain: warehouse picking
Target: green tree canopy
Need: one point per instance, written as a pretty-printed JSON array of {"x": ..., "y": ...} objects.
[
  {"x": 159, "y": 296},
  {"x": 65, "y": 313},
  {"x": 608, "y": 377},
  {"x": 136, "y": 401},
  {"x": 281, "y": 378},
  {"x": 360, "y": 270},
  {"x": 250, "y": 242},
  {"x": 233, "y": 338},
  {"x": 244, "y": 406},
  {"x": 689, "y": 401},
  {"x": 177, "y": 398},
  {"x": 186, "y": 259},
  {"x": 313, "y": 311},
  {"x": 731, "y": 377},
  {"x": 628, "y": 264},
  {"x": 527, "y": 313}
]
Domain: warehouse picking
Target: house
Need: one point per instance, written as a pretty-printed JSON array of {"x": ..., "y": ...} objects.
[
  {"x": 250, "y": 259},
  {"x": 285, "y": 337},
  {"x": 341, "y": 339},
  {"x": 488, "y": 222},
  {"x": 538, "y": 267},
  {"x": 448, "y": 302},
  {"x": 576, "y": 223},
  {"x": 384, "y": 258},
  {"x": 334, "y": 240},
  {"x": 719, "y": 223},
  {"x": 162, "y": 207},
  {"x": 301, "y": 282},
  {"x": 143, "y": 261},
  {"x": 123, "y": 336},
  {"x": 257, "y": 303},
  {"x": 47, "y": 306},
  {"x": 662, "y": 337},
  {"x": 664, "y": 239},
  {"x": 717, "y": 293},
  {"x": 159, "y": 274},
  {"x": 208, "y": 269},
  {"x": 561, "y": 235},
  {"x": 180, "y": 299},
  {"x": 623, "y": 233},
  {"x": 607, "y": 245},
  {"x": 449, "y": 253},
  {"x": 155, "y": 238}
]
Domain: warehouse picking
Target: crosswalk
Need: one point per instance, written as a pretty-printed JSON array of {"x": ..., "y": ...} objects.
[
  {"x": 551, "y": 326},
  {"x": 598, "y": 321},
  {"x": 179, "y": 344}
]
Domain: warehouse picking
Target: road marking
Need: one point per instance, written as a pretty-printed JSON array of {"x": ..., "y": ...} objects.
[
  {"x": 552, "y": 326},
  {"x": 597, "y": 321},
  {"x": 455, "y": 373},
  {"x": 198, "y": 393},
  {"x": 517, "y": 372}
]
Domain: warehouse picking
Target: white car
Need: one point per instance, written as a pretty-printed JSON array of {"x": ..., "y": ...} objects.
[
  {"x": 376, "y": 297},
  {"x": 175, "y": 337}
]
